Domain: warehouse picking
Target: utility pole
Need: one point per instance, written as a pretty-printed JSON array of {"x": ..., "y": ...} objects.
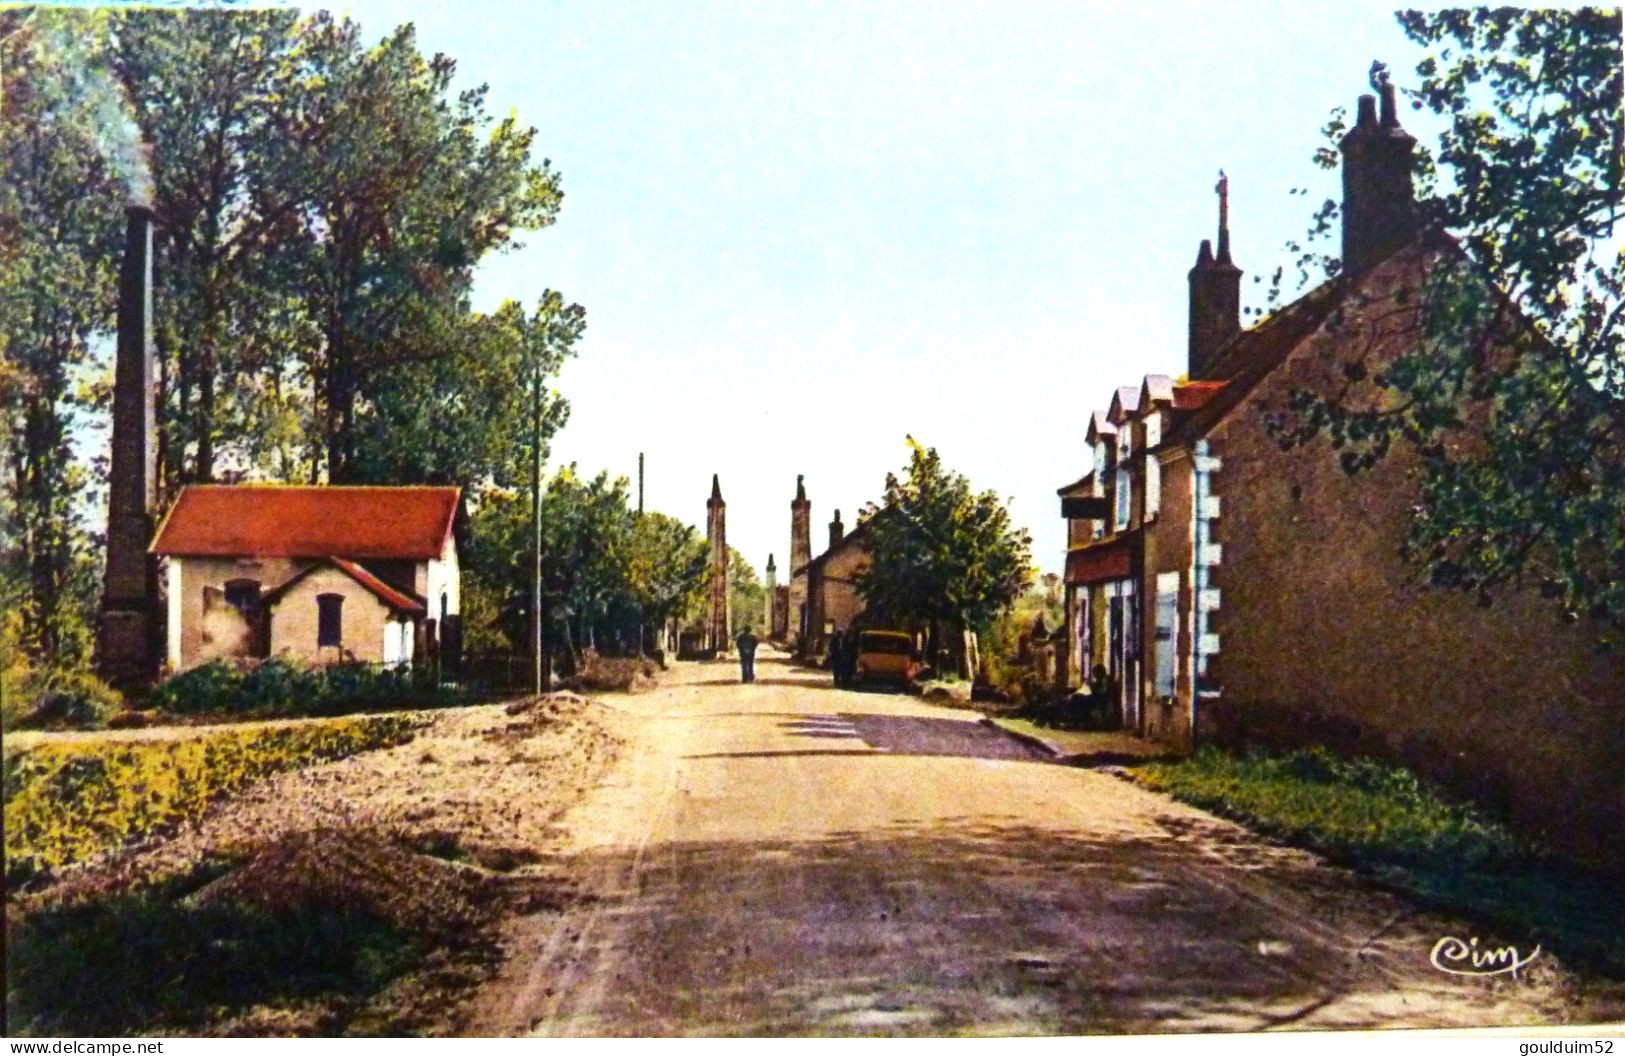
[{"x": 540, "y": 675}]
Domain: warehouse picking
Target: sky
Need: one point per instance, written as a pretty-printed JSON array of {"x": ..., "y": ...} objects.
[{"x": 802, "y": 232}]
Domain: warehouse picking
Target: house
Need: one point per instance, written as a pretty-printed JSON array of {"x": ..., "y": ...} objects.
[
  {"x": 1274, "y": 607},
  {"x": 833, "y": 601},
  {"x": 324, "y": 575}
]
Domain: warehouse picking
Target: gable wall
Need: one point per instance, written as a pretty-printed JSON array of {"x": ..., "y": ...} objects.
[{"x": 1328, "y": 636}]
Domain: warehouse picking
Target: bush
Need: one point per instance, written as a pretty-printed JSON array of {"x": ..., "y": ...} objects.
[
  {"x": 65, "y": 803},
  {"x": 611, "y": 674},
  {"x": 68, "y": 699},
  {"x": 281, "y": 688},
  {"x": 156, "y": 958}
]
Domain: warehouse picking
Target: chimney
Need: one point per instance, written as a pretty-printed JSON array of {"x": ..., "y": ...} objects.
[
  {"x": 127, "y": 645},
  {"x": 836, "y": 531},
  {"x": 1215, "y": 293},
  {"x": 800, "y": 528},
  {"x": 1379, "y": 203}
]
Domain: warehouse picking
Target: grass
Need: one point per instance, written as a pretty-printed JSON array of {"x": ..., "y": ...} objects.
[
  {"x": 1383, "y": 821},
  {"x": 154, "y": 961},
  {"x": 68, "y": 802}
]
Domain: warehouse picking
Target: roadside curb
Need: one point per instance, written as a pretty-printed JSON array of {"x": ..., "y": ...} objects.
[{"x": 1052, "y": 750}]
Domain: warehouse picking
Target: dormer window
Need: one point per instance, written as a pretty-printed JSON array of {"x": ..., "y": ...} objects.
[
  {"x": 1153, "y": 467},
  {"x": 1125, "y": 476}
]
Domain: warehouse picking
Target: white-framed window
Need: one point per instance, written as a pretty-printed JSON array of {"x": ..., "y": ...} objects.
[
  {"x": 1125, "y": 477},
  {"x": 1166, "y": 632},
  {"x": 1153, "y": 485}
]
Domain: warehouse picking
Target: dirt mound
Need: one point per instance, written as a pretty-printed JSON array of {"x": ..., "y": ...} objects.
[{"x": 364, "y": 871}]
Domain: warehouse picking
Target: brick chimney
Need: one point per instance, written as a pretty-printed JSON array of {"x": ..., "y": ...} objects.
[
  {"x": 716, "y": 531},
  {"x": 837, "y": 531},
  {"x": 1215, "y": 284},
  {"x": 800, "y": 528},
  {"x": 1379, "y": 203},
  {"x": 127, "y": 646}
]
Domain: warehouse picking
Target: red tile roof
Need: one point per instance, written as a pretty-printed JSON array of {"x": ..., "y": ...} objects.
[
  {"x": 1190, "y": 395},
  {"x": 378, "y": 588},
  {"x": 1111, "y": 558},
  {"x": 263, "y": 520}
]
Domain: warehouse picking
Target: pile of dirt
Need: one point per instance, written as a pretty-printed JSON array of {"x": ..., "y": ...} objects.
[{"x": 365, "y": 871}]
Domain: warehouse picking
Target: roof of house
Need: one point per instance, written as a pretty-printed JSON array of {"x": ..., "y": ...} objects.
[
  {"x": 1192, "y": 395},
  {"x": 853, "y": 538},
  {"x": 263, "y": 520},
  {"x": 1083, "y": 483},
  {"x": 1157, "y": 388},
  {"x": 395, "y": 599},
  {"x": 1254, "y": 354},
  {"x": 1099, "y": 426},
  {"x": 1124, "y": 403}
]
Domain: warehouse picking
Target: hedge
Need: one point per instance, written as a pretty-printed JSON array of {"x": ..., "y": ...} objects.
[{"x": 66, "y": 802}]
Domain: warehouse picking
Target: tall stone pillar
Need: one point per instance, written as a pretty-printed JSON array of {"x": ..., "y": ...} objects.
[
  {"x": 127, "y": 627},
  {"x": 800, "y": 557},
  {"x": 768, "y": 594},
  {"x": 716, "y": 533}
]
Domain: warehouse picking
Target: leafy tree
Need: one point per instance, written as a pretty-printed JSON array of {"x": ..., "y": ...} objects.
[
  {"x": 61, "y": 218},
  {"x": 747, "y": 597},
  {"x": 202, "y": 87},
  {"x": 940, "y": 555},
  {"x": 669, "y": 562},
  {"x": 1511, "y": 387},
  {"x": 407, "y": 192}
]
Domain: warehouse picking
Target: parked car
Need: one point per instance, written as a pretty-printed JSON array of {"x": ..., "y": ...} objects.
[{"x": 885, "y": 656}]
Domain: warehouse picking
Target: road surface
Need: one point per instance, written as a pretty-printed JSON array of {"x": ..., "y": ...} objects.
[{"x": 787, "y": 858}]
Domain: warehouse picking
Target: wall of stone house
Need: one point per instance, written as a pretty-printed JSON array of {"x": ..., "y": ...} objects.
[
  {"x": 1327, "y": 636},
  {"x": 295, "y": 621},
  {"x": 841, "y": 601},
  {"x": 1168, "y": 549},
  {"x": 209, "y": 629}
]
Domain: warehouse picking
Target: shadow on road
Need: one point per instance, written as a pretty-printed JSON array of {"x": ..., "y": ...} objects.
[
  {"x": 986, "y": 927},
  {"x": 897, "y": 735}
]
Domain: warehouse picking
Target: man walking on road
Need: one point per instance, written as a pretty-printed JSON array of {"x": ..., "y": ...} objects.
[{"x": 747, "y": 655}]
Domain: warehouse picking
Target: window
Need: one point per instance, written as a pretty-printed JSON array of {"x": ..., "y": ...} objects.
[
  {"x": 1167, "y": 628},
  {"x": 242, "y": 594},
  {"x": 329, "y": 619},
  {"x": 1125, "y": 477},
  {"x": 1153, "y": 485}
]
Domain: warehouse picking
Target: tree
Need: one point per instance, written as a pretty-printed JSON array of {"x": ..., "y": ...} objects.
[
  {"x": 940, "y": 555},
  {"x": 61, "y": 196},
  {"x": 747, "y": 597},
  {"x": 1511, "y": 391},
  {"x": 669, "y": 564}
]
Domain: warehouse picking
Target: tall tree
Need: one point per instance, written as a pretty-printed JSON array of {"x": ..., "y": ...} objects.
[
  {"x": 941, "y": 555},
  {"x": 202, "y": 86},
  {"x": 1512, "y": 388},
  {"x": 62, "y": 130},
  {"x": 408, "y": 192}
]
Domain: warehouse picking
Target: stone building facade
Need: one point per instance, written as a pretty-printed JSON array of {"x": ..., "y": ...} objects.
[
  {"x": 324, "y": 575},
  {"x": 1273, "y": 606}
]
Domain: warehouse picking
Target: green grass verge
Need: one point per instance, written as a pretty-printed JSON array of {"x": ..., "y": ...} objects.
[
  {"x": 1383, "y": 821},
  {"x": 151, "y": 961},
  {"x": 66, "y": 802}
]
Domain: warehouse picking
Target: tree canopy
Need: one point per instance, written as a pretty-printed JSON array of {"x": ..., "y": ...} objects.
[
  {"x": 940, "y": 552},
  {"x": 1512, "y": 391}
]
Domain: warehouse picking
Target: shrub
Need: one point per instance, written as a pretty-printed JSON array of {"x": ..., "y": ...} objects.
[
  {"x": 67, "y": 699},
  {"x": 65, "y": 803},
  {"x": 156, "y": 959},
  {"x": 611, "y": 674},
  {"x": 279, "y": 687}
]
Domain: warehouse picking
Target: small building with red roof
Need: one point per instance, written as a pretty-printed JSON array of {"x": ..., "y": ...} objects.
[{"x": 324, "y": 575}]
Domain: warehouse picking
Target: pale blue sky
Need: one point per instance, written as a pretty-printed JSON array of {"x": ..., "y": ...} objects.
[{"x": 803, "y": 231}]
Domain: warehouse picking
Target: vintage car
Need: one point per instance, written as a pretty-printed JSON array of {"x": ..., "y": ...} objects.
[{"x": 884, "y": 656}]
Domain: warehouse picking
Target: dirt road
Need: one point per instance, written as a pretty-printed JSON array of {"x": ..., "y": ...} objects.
[{"x": 786, "y": 858}]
